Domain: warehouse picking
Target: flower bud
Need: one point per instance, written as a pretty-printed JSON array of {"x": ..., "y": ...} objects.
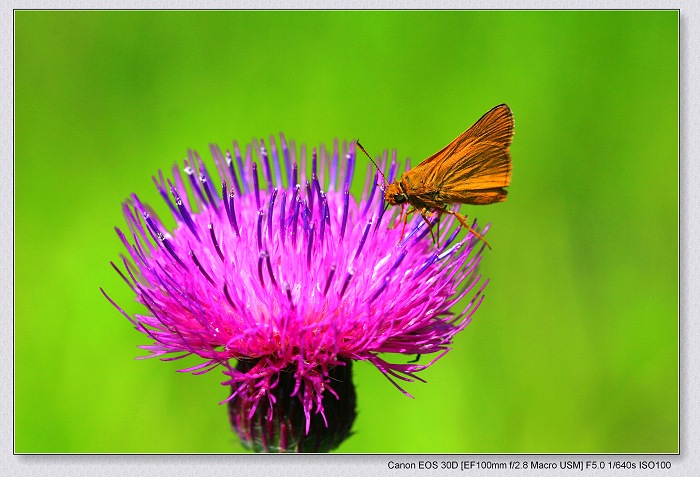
[{"x": 279, "y": 424}]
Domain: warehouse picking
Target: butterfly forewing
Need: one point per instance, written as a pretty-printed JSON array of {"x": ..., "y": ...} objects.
[{"x": 473, "y": 168}]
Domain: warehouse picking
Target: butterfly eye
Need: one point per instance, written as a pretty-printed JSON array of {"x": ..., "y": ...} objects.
[{"x": 400, "y": 198}]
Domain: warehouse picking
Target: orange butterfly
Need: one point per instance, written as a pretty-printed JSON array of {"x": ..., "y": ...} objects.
[{"x": 472, "y": 169}]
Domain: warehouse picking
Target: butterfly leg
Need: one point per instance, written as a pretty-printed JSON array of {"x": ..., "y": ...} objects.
[
  {"x": 405, "y": 220},
  {"x": 439, "y": 216},
  {"x": 424, "y": 215},
  {"x": 463, "y": 221}
]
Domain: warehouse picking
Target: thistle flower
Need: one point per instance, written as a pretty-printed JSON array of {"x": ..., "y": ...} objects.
[{"x": 283, "y": 279}]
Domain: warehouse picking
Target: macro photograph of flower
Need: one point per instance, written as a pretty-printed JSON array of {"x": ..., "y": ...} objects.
[{"x": 359, "y": 232}]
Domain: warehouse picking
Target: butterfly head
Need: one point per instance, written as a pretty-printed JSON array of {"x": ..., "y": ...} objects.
[{"x": 395, "y": 195}]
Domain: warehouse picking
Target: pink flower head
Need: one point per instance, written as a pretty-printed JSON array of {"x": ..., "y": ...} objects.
[{"x": 285, "y": 271}]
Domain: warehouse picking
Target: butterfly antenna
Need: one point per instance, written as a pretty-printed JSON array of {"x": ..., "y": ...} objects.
[{"x": 386, "y": 183}]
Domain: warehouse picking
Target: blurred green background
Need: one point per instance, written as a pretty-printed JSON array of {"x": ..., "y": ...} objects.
[{"x": 575, "y": 348}]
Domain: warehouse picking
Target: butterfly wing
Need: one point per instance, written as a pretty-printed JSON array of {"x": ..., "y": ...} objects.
[{"x": 472, "y": 169}]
